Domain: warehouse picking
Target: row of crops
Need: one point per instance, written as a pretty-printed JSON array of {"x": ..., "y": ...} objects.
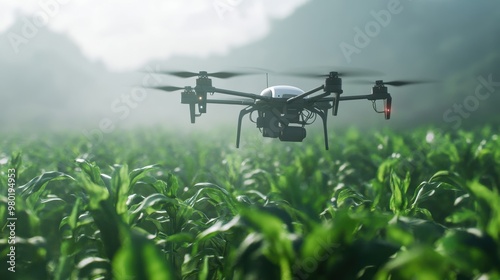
[{"x": 157, "y": 205}]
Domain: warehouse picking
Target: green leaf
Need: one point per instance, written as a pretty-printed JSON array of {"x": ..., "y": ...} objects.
[
  {"x": 153, "y": 200},
  {"x": 399, "y": 188},
  {"x": 471, "y": 251},
  {"x": 420, "y": 263},
  {"x": 492, "y": 199},
  {"x": 139, "y": 173},
  {"x": 91, "y": 170},
  {"x": 172, "y": 186},
  {"x": 219, "y": 227},
  {"x": 120, "y": 184},
  {"x": 204, "y": 269},
  {"x": 92, "y": 267},
  {"x": 96, "y": 193},
  {"x": 36, "y": 185},
  {"x": 138, "y": 258}
]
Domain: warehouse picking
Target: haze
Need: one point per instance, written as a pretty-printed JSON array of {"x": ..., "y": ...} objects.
[{"x": 72, "y": 64}]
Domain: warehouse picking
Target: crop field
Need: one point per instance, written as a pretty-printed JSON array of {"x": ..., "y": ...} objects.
[{"x": 157, "y": 205}]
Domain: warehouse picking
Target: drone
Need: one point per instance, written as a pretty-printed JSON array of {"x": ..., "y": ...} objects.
[{"x": 280, "y": 111}]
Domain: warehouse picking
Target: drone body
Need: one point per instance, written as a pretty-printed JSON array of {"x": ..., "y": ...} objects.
[
  {"x": 281, "y": 91},
  {"x": 278, "y": 111}
]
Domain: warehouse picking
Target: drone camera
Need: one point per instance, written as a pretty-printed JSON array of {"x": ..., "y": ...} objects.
[
  {"x": 292, "y": 134},
  {"x": 293, "y": 115},
  {"x": 270, "y": 125}
]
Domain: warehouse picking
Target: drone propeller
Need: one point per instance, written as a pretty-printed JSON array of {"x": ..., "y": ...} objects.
[
  {"x": 396, "y": 83},
  {"x": 342, "y": 72},
  {"x": 167, "y": 88},
  {"x": 220, "y": 75}
]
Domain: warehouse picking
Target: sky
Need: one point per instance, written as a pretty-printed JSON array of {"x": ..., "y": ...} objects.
[
  {"x": 127, "y": 34},
  {"x": 77, "y": 64}
]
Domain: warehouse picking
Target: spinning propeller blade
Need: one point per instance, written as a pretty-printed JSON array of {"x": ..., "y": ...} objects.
[
  {"x": 220, "y": 75},
  {"x": 341, "y": 72},
  {"x": 167, "y": 88},
  {"x": 396, "y": 83},
  {"x": 180, "y": 74},
  {"x": 405, "y": 83}
]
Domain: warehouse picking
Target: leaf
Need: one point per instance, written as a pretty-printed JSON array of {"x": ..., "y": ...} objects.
[
  {"x": 37, "y": 185},
  {"x": 219, "y": 227},
  {"x": 416, "y": 263},
  {"x": 138, "y": 258},
  {"x": 492, "y": 199},
  {"x": 399, "y": 188},
  {"x": 215, "y": 192},
  {"x": 449, "y": 177},
  {"x": 471, "y": 250},
  {"x": 172, "y": 186},
  {"x": 92, "y": 267},
  {"x": 91, "y": 170},
  {"x": 120, "y": 184},
  {"x": 181, "y": 237},
  {"x": 462, "y": 216},
  {"x": 139, "y": 173},
  {"x": 155, "y": 199},
  {"x": 96, "y": 193},
  {"x": 204, "y": 269}
]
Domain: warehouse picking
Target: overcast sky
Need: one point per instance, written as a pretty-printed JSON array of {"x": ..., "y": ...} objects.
[
  {"x": 65, "y": 61},
  {"x": 127, "y": 34}
]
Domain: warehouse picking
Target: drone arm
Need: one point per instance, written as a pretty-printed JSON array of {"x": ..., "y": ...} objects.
[
  {"x": 344, "y": 98},
  {"x": 231, "y": 102},
  {"x": 357, "y": 97},
  {"x": 318, "y": 97},
  {"x": 237, "y": 93},
  {"x": 291, "y": 99}
]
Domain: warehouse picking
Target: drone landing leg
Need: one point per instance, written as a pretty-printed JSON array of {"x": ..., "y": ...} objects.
[
  {"x": 240, "y": 118},
  {"x": 323, "y": 115},
  {"x": 325, "y": 132},
  {"x": 191, "y": 111}
]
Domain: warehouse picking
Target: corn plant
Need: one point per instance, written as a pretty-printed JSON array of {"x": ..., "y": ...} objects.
[{"x": 423, "y": 204}]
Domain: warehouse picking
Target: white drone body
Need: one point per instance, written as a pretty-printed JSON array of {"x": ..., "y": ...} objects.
[{"x": 281, "y": 91}]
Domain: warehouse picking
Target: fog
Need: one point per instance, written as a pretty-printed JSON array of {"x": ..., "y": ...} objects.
[{"x": 69, "y": 73}]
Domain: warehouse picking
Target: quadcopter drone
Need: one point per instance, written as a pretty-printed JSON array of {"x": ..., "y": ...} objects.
[{"x": 279, "y": 111}]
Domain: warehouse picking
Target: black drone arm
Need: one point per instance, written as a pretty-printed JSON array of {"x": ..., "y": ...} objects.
[
  {"x": 384, "y": 96},
  {"x": 231, "y": 102},
  {"x": 355, "y": 97},
  {"x": 300, "y": 96},
  {"x": 235, "y": 93}
]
